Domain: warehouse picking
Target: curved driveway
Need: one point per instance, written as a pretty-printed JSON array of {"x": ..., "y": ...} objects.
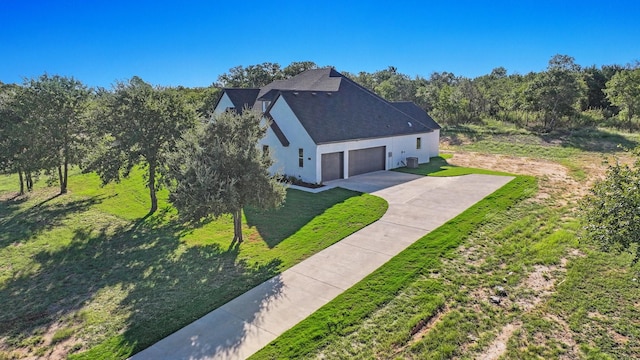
[{"x": 243, "y": 326}]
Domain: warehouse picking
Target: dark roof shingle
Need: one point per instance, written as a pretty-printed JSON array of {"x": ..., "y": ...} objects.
[
  {"x": 416, "y": 112},
  {"x": 242, "y": 98},
  {"x": 334, "y": 108},
  {"x": 350, "y": 113}
]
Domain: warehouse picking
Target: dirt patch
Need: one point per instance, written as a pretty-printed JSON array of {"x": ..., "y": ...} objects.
[
  {"x": 555, "y": 179},
  {"x": 540, "y": 283},
  {"x": 472, "y": 255},
  {"x": 564, "y": 335},
  {"x": 499, "y": 345},
  {"x": 423, "y": 327}
]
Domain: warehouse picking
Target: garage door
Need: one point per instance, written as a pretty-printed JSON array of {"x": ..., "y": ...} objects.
[
  {"x": 332, "y": 166},
  {"x": 366, "y": 160}
]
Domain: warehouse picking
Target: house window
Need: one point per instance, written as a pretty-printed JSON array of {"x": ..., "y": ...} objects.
[
  {"x": 300, "y": 157},
  {"x": 265, "y": 150},
  {"x": 418, "y": 143}
]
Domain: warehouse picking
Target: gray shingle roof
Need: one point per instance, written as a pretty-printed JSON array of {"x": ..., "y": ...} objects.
[
  {"x": 326, "y": 79},
  {"x": 350, "y": 113},
  {"x": 416, "y": 112},
  {"x": 333, "y": 108},
  {"x": 242, "y": 98}
]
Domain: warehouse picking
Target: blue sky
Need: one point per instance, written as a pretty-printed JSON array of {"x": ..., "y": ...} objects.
[{"x": 190, "y": 43}]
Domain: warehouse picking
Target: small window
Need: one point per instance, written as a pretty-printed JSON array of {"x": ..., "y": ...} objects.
[
  {"x": 265, "y": 150},
  {"x": 418, "y": 143},
  {"x": 300, "y": 157}
]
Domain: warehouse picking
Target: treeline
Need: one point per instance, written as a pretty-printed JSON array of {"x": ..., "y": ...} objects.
[
  {"x": 211, "y": 164},
  {"x": 565, "y": 95},
  {"x": 50, "y": 123}
]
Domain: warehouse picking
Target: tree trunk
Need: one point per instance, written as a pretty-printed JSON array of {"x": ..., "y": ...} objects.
[
  {"x": 60, "y": 178},
  {"x": 152, "y": 187},
  {"x": 237, "y": 225},
  {"x": 63, "y": 180},
  {"x": 21, "y": 182},
  {"x": 29, "y": 181}
]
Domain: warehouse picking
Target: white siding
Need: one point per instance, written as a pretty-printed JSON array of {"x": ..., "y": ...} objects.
[
  {"x": 286, "y": 158},
  {"x": 400, "y": 148},
  {"x": 223, "y": 104},
  {"x": 433, "y": 143}
]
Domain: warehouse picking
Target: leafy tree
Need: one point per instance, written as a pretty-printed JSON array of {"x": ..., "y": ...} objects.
[
  {"x": 493, "y": 91},
  {"x": 428, "y": 95},
  {"x": 220, "y": 170},
  {"x": 298, "y": 67},
  {"x": 363, "y": 78},
  {"x": 556, "y": 92},
  {"x": 253, "y": 76},
  {"x": 397, "y": 87},
  {"x": 623, "y": 90},
  {"x": 15, "y": 139},
  {"x": 53, "y": 109},
  {"x": 612, "y": 210},
  {"x": 203, "y": 99},
  {"x": 141, "y": 125},
  {"x": 595, "y": 81}
]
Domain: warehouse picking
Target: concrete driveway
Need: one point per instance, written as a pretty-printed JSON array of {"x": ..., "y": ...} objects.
[{"x": 243, "y": 326}]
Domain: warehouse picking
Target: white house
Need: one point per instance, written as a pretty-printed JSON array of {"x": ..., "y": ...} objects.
[{"x": 324, "y": 126}]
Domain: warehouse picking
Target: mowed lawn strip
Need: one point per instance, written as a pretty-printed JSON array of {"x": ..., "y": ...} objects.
[
  {"x": 439, "y": 167},
  {"x": 346, "y": 312},
  {"x": 88, "y": 271}
]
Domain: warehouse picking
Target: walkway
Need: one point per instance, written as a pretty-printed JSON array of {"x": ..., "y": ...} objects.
[{"x": 244, "y": 325}]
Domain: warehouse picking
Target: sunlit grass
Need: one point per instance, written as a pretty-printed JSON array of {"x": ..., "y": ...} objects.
[
  {"x": 329, "y": 331},
  {"x": 439, "y": 167},
  {"x": 116, "y": 280}
]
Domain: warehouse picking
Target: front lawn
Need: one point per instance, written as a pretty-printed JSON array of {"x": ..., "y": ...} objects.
[
  {"x": 88, "y": 274},
  {"x": 336, "y": 322},
  {"x": 438, "y": 166}
]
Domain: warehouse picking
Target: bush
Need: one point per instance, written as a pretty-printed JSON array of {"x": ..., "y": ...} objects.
[{"x": 612, "y": 210}]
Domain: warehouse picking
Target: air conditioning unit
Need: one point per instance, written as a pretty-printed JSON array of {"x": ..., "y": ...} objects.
[{"x": 412, "y": 162}]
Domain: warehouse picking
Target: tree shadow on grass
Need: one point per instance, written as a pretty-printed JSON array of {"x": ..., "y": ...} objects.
[
  {"x": 588, "y": 139},
  {"x": 592, "y": 140},
  {"x": 460, "y": 134},
  {"x": 160, "y": 284},
  {"x": 19, "y": 225},
  {"x": 299, "y": 209}
]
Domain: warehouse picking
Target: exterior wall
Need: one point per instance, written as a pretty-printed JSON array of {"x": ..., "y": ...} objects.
[
  {"x": 398, "y": 148},
  {"x": 223, "y": 104},
  {"x": 286, "y": 158},
  {"x": 433, "y": 143}
]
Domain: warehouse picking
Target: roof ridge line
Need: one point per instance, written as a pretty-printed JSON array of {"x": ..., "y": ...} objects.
[{"x": 388, "y": 103}]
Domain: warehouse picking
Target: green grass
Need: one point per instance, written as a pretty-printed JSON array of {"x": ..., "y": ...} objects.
[
  {"x": 556, "y": 146},
  {"x": 438, "y": 166},
  {"x": 345, "y": 314},
  {"x": 8, "y": 183},
  {"x": 93, "y": 262}
]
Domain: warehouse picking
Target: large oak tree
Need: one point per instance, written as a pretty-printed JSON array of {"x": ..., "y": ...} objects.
[
  {"x": 45, "y": 126},
  {"x": 141, "y": 125},
  {"x": 220, "y": 170}
]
